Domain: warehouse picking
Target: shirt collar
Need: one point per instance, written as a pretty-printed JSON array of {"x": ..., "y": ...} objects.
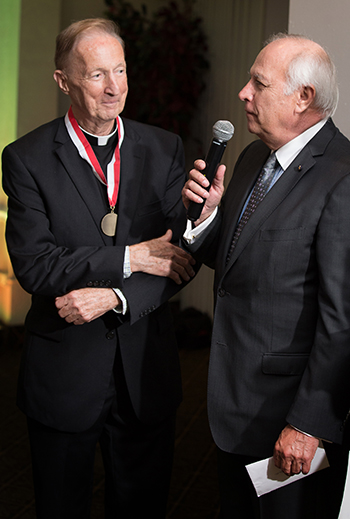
[
  {"x": 102, "y": 140},
  {"x": 287, "y": 153}
]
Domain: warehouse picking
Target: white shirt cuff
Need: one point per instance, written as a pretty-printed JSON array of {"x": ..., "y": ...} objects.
[
  {"x": 127, "y": 268},
  {"x": 190, "y": 235},
  {"x": 124, "y": 306},
  {"x": 127, "y": 273}
]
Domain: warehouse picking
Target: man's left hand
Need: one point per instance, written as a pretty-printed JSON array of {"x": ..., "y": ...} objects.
[
  {"x": 86, "y": 304},
  {"x": 294, "y": 451},
  {"x": 160, "y": 257}
]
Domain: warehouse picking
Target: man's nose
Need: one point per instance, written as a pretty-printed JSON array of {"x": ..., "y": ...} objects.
[
  {"x": 246, "y": 94},
  {"x": 112, "y": 84}
]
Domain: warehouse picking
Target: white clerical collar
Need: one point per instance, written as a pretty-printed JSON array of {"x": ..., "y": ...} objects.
[
  {"x": 102, "y": 140},
  {"x": 287, "y": 153}
]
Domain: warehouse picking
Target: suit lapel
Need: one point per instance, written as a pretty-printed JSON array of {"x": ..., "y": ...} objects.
[
  {"x": 83, "y": 178},
  {"x": 132, "y": 156},
  {"x": 283, "y": 187},
  {"x": 132, "y": 164}
]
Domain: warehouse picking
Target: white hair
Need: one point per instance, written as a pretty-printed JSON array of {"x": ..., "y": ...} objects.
[{"x": 312, "y": 68}]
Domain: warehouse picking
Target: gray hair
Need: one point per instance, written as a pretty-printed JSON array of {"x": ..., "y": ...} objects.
[
  {"x": 312, "y": 68},
  {"x": 66, "y": 40}
]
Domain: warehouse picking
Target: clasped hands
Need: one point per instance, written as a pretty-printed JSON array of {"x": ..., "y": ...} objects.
[{"x": 158, "y": 257}]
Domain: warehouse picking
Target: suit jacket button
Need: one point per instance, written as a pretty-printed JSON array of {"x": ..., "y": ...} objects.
[
  {"x": 89, "y": 284},
  {"x": 221, "y": 292},
  {"x": 110, "y": 334}
]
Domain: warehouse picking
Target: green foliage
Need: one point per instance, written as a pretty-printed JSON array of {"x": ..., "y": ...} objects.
[{"x": 166, "y": 59}]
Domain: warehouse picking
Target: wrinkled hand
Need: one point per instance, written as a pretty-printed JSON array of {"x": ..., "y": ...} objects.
[
  {"x": 86, "y": 304},
  {"x": 194, "y": 189},
  {"x": 161, "y": 258},
  {"x": 294, "y": 451}
]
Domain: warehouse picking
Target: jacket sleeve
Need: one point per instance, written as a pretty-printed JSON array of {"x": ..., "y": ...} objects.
[
  {"x": 322, "y": 401},
  {"x": 43, "y": 263},
  {"x": 50, "y": 261},
  {"x": 204, "y": 247},
  {"x": 145, "y": 292}
]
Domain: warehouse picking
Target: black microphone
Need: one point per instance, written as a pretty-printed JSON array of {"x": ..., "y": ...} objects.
[{"x": 222, "y": 132}]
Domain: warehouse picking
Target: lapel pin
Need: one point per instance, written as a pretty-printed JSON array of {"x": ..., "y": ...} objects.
[{"x": 299, "y": 167}]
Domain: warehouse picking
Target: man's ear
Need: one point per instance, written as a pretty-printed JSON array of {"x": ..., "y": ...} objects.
[
  {"x": 61, "y": 79},
  {"x": 306, "y": 97}
]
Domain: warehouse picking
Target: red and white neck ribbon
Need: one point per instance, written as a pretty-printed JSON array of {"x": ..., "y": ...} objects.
[{"x": 87, "y": 153}]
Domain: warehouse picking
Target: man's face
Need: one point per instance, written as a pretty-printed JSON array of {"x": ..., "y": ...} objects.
[
  {"x": 96, "y": 82},
  {"x": 270, "y": 113}
]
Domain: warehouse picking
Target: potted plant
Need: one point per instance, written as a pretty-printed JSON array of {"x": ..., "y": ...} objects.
[{"x": 166, "y": 55}]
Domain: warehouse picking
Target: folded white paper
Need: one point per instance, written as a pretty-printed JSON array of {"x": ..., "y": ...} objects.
[{"x": 267, "y": 477}]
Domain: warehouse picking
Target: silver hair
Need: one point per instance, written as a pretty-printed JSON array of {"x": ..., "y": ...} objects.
[
  {"x": 66, "y": 40},
  {"x": 312, "y": 68}
]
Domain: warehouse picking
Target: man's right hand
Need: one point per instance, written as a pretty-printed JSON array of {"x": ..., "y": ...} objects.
[
  {"x": 194, "y": 189},
  {"x": 161, "y": 258}
]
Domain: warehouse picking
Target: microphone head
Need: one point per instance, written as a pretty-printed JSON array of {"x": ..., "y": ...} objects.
[{"x": 223, "y": 130}]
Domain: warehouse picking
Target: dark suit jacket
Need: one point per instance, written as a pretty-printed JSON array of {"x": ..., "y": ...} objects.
[
  {"x": 281, "y": 337},
  {"x": 56, "y": 245}
]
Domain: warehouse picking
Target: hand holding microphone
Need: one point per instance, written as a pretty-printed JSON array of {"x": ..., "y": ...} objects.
[{"x": 222, "y": 132}]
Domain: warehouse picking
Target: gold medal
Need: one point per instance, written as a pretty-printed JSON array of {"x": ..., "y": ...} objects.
[{"x": 109, "y": 223}]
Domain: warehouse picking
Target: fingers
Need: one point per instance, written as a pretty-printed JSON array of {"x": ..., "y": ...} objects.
[
  {"x": 296, "y": 467},
  {"x": 294, "y": 451},
  {"x": 69, "y": 308},
  {"x": 288, "y": 465},
  {"x": 61, "y": 305},
  {"x": 86, "y": 304},
  {"x": 167, "y": 236},
  {"x": 181, "y": 268},
  {"x": 159, "y": 257},
  {"x": 200, "y": 178},
  {"x": 199, "y": 164},
  {"x": 195, "y": 188},
  {"x": 291, "y": 466},
  {"x": 194, "y": 192},
  {"x": 175, "y": 263},
  {"x": 220, "y": 174}
]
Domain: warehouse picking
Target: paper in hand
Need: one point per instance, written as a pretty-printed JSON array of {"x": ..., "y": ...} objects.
[{"x": 266, "y": 477}]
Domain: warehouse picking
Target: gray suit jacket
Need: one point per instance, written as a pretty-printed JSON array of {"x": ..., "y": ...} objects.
[
  {"x": 56, "y": 245},
  {"x": 281, "y": 337}
]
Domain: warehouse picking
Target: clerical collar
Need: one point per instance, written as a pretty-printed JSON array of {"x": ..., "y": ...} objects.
[{"x": 100, "y": 140}]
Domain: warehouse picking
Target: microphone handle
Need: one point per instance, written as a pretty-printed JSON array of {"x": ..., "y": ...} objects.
[{"x": 212, "y": 160}]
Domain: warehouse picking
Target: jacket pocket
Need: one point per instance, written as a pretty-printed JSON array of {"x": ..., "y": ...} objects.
[
  {"x": 282, "y": 234},
  {"x": 284, "y": 363}
]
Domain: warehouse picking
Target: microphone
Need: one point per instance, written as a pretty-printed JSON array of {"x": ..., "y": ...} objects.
[{"x": 222, "y": 132}]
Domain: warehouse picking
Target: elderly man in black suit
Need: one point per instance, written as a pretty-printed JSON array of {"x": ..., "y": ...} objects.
[
  {"x": 280, "y": 246},
  {"x": 94, "y": 205}
]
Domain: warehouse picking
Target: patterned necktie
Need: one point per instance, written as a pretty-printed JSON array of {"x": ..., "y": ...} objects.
[{"x": 260, "y": 189}]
